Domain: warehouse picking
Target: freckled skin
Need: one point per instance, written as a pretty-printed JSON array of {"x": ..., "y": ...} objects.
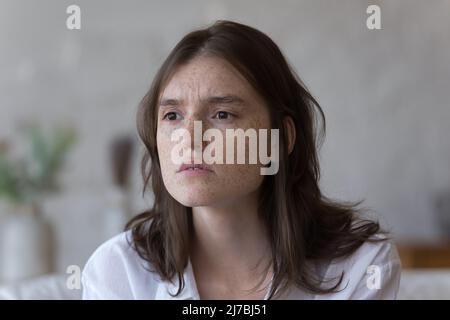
[{"x": 200, "y": 78}]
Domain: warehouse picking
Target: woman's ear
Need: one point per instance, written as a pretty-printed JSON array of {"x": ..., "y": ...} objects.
[{"x": 289, "y": 128}]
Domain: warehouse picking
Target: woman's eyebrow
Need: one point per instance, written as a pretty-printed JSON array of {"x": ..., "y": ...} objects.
[{"x": 169, "y": 102}]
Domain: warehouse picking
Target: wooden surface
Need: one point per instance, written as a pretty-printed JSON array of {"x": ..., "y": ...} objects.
[{"x": 424, "y": 254}]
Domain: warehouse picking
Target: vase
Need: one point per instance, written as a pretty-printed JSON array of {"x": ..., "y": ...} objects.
[{"x": 25, "y": 244}]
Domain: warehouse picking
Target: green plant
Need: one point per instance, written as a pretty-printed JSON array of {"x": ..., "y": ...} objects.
[{"x": 26, "y": 179}]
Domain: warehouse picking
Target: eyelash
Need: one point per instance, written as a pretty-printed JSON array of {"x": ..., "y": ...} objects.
[
  {"x": 168, "y": 113},
  {"x": 226, "y": 112},
  {"x": 214, "y": 117}
]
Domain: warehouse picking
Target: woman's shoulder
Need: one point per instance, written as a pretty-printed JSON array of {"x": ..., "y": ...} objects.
[
  {"x": 115, "y": 247},
  {"x": 371, "y": 271},
  {"x": 378, "y": 250},
  {"x": 115, "y": 270}
]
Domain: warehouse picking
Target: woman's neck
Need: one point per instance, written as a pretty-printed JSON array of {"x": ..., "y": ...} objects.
[{"x": 230, "y": 243}]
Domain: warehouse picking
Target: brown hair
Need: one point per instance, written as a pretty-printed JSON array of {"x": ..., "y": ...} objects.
[{"x": 303, "y": 224}]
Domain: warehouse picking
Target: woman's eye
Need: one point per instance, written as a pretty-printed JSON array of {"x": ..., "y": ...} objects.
[
  {"x": 171, "y": 116},
  {"x": 223, "y": 115}
]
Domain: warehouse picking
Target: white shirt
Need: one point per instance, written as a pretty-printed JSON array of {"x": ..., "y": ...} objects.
[{"x": 115, "y": 271}]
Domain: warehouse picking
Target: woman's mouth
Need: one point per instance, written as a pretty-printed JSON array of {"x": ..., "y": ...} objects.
[{"x": 194, "y": 169}]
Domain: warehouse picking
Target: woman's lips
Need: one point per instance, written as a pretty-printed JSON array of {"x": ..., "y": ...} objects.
[{"x": 194, "y": 169}]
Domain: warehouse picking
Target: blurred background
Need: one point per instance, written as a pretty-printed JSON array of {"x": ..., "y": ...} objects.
[{"x": 69, "y": 152}]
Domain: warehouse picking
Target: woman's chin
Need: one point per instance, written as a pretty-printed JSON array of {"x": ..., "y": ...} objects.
[
  {"x": 194, "y": 202},
  {"x": 192, "y": 198}
]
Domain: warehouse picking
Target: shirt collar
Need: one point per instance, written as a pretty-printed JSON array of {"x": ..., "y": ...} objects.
[{"x": 190, "y": 291}]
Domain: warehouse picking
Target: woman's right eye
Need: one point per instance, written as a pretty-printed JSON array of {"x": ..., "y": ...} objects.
[{"x": 171, "y": 116}]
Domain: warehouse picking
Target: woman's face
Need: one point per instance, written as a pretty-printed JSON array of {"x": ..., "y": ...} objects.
[{"x": 210, "y": 90}]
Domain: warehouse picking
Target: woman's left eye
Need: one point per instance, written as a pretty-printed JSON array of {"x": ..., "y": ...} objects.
[{"x": 223, "y": 115}]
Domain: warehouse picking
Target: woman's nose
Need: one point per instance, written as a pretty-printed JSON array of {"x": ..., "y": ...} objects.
[{"x": 196, "y": 125}]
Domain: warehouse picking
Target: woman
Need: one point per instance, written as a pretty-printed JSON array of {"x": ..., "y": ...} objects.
[{"x": 224, "y": 230}]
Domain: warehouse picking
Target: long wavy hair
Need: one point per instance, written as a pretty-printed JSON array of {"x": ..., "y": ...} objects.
[{"x": 303, "y": 224}]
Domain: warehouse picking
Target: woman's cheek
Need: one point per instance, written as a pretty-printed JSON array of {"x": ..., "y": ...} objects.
[
  {"x": 239, "y": 178},
  {"x": 165, "y": 145}
]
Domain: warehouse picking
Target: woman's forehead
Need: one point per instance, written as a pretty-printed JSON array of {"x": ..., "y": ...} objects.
[{"x": 205, "y": 77}]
